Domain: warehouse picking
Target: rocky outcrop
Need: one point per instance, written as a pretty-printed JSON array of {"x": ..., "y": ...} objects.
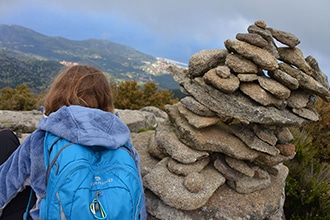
[{"x": 218, "y": 153}]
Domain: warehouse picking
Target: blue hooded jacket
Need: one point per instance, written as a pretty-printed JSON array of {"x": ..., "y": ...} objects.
[{"x": 77, "y": 124}]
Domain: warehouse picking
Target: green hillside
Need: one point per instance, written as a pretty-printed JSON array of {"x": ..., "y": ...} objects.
[
  {"x": 33, "y": 58},
  {"x": 36, "y": 74}
]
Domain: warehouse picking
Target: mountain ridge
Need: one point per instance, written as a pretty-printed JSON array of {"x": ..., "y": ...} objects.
[{"x": 119, "y": 62}]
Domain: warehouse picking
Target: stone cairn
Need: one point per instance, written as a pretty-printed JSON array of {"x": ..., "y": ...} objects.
[{"x": 233, "y": 126}]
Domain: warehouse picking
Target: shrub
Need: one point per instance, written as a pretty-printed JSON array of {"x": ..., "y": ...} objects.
[
  {"x": 320, "y": 131},
  {"x": 129, "y": 95},
  {"x": 18, "y": 99},
  {"x": 307, "y": 187}
]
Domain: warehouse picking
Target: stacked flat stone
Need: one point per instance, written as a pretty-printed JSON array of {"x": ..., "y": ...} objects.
[{"x": 233, "y": 126}]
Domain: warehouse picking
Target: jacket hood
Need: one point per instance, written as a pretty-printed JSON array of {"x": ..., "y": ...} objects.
[{"x": 87, "y": 126}]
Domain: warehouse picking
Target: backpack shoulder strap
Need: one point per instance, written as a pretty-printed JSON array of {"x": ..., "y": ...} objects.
[
  {"x": 49, "y": 150},
  {"x": 128, "y": 149}
]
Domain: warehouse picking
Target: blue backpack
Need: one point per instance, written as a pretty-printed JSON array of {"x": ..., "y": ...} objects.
[{"x": 90, "y": 182}]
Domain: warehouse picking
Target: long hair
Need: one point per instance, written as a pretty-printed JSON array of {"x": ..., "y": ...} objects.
[{"x": 79, "y": 85}]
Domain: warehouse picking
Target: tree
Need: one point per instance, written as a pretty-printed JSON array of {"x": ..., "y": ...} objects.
[
  {"x": 149, "y": 92},
  {"x": 320, "y": 130},
  {"x": 308, "y": 184},
  {"x": 158, "y": 98},
  {"x": 18, "y": 99},
  {"x": 129, "y": 95}
]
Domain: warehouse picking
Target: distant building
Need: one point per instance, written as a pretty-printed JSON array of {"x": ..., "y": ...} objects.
[{"x": 67, "y": 63}]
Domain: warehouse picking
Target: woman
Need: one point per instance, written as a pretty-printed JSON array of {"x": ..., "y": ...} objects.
[{"x": 79, "y": 108}]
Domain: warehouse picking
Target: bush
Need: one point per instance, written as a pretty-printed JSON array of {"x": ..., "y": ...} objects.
[
  {"x": 18, "y": 99},
  {"x": 320, "y": 131},
  {"x": 307, "y": 186},
  {"x": 129, "y": 95}
]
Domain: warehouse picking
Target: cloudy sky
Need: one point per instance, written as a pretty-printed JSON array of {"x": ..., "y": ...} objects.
[{"x": 174, "y": 29}]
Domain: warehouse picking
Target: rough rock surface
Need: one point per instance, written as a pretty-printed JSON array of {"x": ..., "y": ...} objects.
[
  {"x": 219, "y": 152},
  {"x": 274, "y": 88}
]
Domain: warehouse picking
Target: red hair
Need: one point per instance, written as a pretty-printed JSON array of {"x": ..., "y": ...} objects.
[{"x": 80, "y": 85}]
